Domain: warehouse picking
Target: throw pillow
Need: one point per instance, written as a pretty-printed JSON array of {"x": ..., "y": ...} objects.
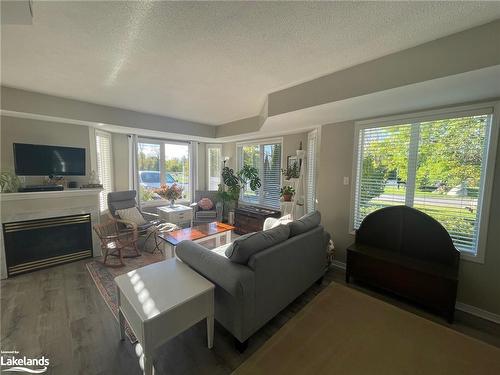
[
  {"x": 282, "y": 221},
  {"x": 305, "y": 223},
  {"x": 205, "y": 204},
  {"x": 131, "y": 214},
  {"x": 249, "y": 244}
]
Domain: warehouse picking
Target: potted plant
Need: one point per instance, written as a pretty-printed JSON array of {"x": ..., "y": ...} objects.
[
  {"x": 292, "y": 171},
  {"x": 9, "y": 182},
  {"x": 233, "y": 183},
  {"x": 287, "y": 193},
  {"x": 170, "y": 193}
]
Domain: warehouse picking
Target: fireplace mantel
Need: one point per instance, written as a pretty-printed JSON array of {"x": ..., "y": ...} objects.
[
  {"x": 47, "y": 204},
  {"x": 48, "y": 194}
]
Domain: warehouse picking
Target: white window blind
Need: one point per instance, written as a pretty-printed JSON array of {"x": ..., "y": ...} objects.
[
  {"x": 435, "y": 166},
  {"x": 214, "y": 166},
  {"x": 104, "y": 166},
  {"x": 266, "y": 157},
  {"x": 311, "y": 163}
]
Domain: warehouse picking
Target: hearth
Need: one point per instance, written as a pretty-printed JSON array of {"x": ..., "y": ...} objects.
[{"x": 41, "y": 243}]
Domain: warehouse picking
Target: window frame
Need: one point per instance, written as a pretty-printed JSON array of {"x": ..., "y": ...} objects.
[
  {"x": 312, "y": 186},
  {"x": 161, "y": 143},
  {"x": 260, "y": 143},
  {"x": 488, "y": 166},
  {"x": 109, "y": 136},
  {"x": 207, "y": 164}
]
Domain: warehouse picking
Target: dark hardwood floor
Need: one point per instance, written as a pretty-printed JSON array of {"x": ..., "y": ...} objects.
[{"x": 59, "y": 313}]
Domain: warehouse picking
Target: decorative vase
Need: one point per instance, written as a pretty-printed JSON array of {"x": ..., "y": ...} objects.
[
  {"x": 287, "y": 197},
  {"x": 219, "y": 208},
  {"x": 172, "y": 203}
]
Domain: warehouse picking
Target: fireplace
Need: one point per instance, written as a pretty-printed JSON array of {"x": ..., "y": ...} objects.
[{"x": 34, "y": 244}]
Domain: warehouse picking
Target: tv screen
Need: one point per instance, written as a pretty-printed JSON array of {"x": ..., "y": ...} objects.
[{"x": 42, "y": 160}]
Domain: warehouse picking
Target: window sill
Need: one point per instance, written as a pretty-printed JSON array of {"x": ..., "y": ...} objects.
[
  {"x": 470, "y": 257},
  {"x": 159, "y": 203}
]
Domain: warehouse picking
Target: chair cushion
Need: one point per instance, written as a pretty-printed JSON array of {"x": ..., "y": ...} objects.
[
  {"x": 305, "y": 223},
  {"x": 120, "y": 200},
  {"x": 131, "y": 214},
  {"x": 249, "y": 244},
  {"x": 205, "y": 204}
]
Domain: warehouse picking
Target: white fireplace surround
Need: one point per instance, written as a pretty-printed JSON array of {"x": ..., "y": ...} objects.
[{"x": 48, "y": 204}]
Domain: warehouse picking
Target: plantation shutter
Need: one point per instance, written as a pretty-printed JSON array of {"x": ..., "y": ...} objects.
[
  {"x": 434, "y": 166},
  {"x": 214, "y": 166},
  {"x": 104, "y": 166},
  {"x": 312, "y": 149}
]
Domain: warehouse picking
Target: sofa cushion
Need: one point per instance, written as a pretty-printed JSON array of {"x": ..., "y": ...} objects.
[
  {"x": 305, "y": 223},
  {"x": 247, "y": 245}
]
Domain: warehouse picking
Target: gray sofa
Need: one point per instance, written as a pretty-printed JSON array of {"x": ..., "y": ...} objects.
[{"x": 254, "y": 283}]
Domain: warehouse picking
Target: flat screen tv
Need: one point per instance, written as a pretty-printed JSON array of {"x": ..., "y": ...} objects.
[{"x": 43, "y": 160}]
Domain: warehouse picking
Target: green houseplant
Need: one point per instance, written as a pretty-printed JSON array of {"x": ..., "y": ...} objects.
[
  {"x": 9, "y": 182},
  {"x": 233, "y": 183},
  {"x": 287, "y": 193},
  {"x": 292, "y": 171}
]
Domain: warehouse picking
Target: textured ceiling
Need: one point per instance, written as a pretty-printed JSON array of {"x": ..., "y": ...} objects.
[{"x": 211, "y": 62}]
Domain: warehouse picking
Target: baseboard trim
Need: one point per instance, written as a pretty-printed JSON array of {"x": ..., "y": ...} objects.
[
  {"x": 472, "y": 310},
  {"x": 476, "y": 311},
  {"x": 338, "y": 264}
]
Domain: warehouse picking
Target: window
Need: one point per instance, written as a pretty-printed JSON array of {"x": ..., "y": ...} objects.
[
  {"x": 311, "y": 162},
  {"x": 266, "y": 157},
  {"x": 163, "y": 162},
  {"x": 437, "y": 164},
  {"x": 214, "y": 166},
  {"x": 104, "y": 166}
]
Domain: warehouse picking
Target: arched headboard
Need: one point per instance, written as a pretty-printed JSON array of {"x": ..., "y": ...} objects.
[{"x": 410, "y": 232}]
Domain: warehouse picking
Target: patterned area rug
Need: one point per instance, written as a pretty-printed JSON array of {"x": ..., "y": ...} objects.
[{"x": 104, "y": 276}]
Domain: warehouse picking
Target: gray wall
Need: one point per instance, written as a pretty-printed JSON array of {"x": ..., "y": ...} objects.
[
  {"x": 41, "y": 132},
  {"x": 47, "y": 105},
  {"x": 479, "y": 284}
]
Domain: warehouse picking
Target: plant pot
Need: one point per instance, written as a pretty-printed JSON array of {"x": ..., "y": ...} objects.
[{"x": 287, "y": 197}]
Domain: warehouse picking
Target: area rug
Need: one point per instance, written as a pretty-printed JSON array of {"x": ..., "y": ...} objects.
[
  {"x": 104, "y": 276},
  {"x": 344, "y": 331}
]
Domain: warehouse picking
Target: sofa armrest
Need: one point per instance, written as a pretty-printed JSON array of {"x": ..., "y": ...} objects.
[{"x": 235, "y": 279}]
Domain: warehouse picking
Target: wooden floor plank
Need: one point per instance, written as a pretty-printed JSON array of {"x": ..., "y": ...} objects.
[{"x": 58, "y": 312}]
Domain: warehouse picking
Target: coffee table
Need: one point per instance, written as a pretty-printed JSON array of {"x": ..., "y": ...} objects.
[
  {"x": 161, "y": 300},
  {"x": 198, "y": 233}
]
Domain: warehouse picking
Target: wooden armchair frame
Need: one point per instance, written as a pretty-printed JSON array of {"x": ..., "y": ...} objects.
[{"x": 113, "y": 241}]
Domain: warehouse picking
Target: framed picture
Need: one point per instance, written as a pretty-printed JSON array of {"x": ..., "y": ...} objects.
[{"x": 291, "y": 160}]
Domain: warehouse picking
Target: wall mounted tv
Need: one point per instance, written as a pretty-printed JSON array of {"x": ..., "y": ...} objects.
[{"x": 43, "y": 160}]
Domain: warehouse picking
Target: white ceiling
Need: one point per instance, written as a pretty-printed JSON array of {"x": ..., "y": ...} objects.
[{"x": 211, "y": 62}]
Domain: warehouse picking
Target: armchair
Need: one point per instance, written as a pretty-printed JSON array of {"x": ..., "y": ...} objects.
[
  {"x": 126, "y": 199},
  {"x": 113, "y": 241},
  {"x": 205, "y": 216}
]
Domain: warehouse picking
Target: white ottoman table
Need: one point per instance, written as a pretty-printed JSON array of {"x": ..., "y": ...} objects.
[{"x": 160, "y": 301}]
